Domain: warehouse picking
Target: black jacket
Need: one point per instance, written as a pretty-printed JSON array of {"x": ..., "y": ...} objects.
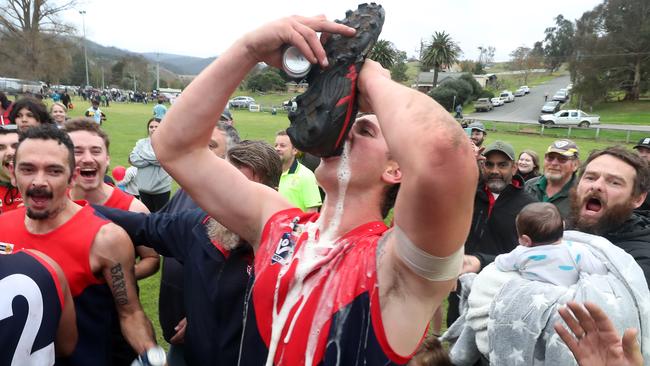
[
  {"x": 493, "y": 230},
  {"x": 634, "y": 238}
]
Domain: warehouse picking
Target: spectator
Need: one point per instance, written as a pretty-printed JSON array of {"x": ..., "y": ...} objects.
[
  {"x": 95, "y": 113},
  {"x": 499, "y": 198},
  {"x": 528, "y": 165},
  {"x": 643, "y": 149},
  {"x": 66, "y": 100},
  {"x": 154, "y": 184},
  {"x": 5, "y": 109},
  {"x": 58, "y": 111},
  {"x": 560, "y": 166},
  {"x": 542, "y": 255},
  {"x": 29, "y": 112},
  {"x": 613, "y": 182},
  {"x": 127, "y": 184},
  {"x": 159, "y": 110},
  {"x": 478, "y": 133},
  {"x": 459, "y": 111},
  {"x": 298, "y": 183}
]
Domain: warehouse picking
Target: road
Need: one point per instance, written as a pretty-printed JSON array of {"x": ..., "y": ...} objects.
[{"x": 528, "y": 108}]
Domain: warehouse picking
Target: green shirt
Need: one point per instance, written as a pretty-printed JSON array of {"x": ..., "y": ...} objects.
[{"x": 298, "y": 185}]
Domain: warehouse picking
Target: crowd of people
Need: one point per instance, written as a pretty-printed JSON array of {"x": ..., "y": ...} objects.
[{"x": 270, "y": 258}]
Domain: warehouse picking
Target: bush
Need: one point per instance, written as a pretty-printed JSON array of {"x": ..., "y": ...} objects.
[
  {"x": 266, "y": 80},
  {"x": 476, "y": 87},
  {"x": 444, "y": 96},
  {"x": 464, "y": 91},
  {"x": 486, "y": 94}
]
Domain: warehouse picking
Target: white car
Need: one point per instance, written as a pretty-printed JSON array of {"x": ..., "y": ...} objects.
[
  {"x": 507, "y": 94},
  {"x": 573, "y": 117},
  {"x": 240, "y": 102},
  {"x": 525, "y": 88},
  {"x": 497, "y": 102}
]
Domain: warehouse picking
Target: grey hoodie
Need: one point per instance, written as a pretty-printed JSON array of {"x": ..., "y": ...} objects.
[{"x": 151, "y": 177}]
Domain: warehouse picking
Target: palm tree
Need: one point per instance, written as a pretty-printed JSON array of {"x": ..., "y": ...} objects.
[
  {"x": 441, "y": 52},
  {"x": 384, "y": 52}
]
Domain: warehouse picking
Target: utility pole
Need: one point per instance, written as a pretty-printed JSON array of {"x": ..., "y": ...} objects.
[
  {"x": 157, "y": 70},
  {"x": 83, "y": 17},
  {"x": 103, "y": 78}
]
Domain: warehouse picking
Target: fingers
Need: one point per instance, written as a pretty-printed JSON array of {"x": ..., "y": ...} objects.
[
  {"x": 571, "y": 321},
  {"x": 631, "y": 347},
  {"x": 568, "y": 338},
  {"x": 600, "y": 320},
  {"x": 310, "y": 44},
  {"x": 585, "y": 317}
]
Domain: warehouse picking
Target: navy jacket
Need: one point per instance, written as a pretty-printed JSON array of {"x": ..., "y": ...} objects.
[{"x": 216, "y": 281}]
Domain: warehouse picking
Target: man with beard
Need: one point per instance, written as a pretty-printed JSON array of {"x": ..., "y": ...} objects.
[
  {"x": 643, "y": 149},
  {"x": 216, "y": 264},
  {"x": 478, "y": 133},
  {"x": 91, "y": 251},
  {"x": 91, "y": 145},
  {"x": 613, "y": 182},
  {"x": 499, "y": 198},
  {"x": 560, "y": 164},
  {"x": 9, "y": 195}
]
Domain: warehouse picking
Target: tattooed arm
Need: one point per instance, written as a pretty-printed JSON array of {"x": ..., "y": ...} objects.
[{"x": 112, "y": 258}]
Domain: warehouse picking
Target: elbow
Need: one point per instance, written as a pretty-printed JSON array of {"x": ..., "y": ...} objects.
[{"x": 163, "y": 150}]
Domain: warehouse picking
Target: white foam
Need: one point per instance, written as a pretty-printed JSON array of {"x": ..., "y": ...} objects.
[{"x": 321, "y": 248}]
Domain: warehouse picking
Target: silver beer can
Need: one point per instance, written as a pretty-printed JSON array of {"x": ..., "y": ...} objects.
[{"x": 294, "y": 63}]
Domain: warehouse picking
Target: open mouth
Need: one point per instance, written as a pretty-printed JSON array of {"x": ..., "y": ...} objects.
[
  {"x": 594, "y": 205},
  {"x": 88, "y": 173}
]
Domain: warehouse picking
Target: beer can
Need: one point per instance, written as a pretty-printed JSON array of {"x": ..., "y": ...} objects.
[{"x": 294, "y": 63}]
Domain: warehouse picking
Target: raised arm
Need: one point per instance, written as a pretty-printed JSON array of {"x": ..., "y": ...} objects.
[
  {"x": 181, "y": 143},
  {"x": 112, "y": 254},
  {"x": 439, "y": 175}
]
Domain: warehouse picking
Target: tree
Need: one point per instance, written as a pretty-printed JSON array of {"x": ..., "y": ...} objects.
[
  {"x": 524, "y": 59},
  {"x": 32, "y": 46},
  {"x": 477, "y": 89},
  {"x": 441, "y": 52},
  {"x": 486, "y": 56},
  {"x": 266, "y": 80},
  {"x": 399, "y": 69},
  {"x": 384, "y": 52},
  {"x": 558, "y": 43}
]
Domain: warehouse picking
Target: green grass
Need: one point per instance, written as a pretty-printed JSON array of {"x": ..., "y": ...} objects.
[
  {"x": 624, "y": 112},
  {"x": 126, "y": 124}
]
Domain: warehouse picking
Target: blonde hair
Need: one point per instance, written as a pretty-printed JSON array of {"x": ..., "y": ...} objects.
[{"x": 60, "y": 105}]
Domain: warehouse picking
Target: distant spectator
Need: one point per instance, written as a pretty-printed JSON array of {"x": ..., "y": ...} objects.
[
  {"x": 459, "y": 111},
  {"x": 297, "y": 183},
  {"x": 528, "y": 165},
  {"x": 560, "y": 166},
  {"x": 127, "y": 184},
  {"x": 154, "y": 184},
  {"x": 542, "y": 255},
  {"x": 5, "y": 109},
  {"x": 29, "y": 112},
  {"x": 66, "y": 100},
  {"x": 95, "y": 113},
  {"x": 56, "y": 97},
  {"x": 159, "y": 110},
  {"x": 478, "y": 133},
  {"x": 59, "y": 112}
]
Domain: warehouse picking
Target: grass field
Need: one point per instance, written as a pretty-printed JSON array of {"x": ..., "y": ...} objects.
[{"x": 126, "y": 124}]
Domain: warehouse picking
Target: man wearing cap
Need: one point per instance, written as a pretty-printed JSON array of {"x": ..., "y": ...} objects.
[
  {"x": 643, "y": 149},
  {"x": 478, "y": 133},
  {"x": 560, "y": 165},
  {"x": 499, "y": 198}
]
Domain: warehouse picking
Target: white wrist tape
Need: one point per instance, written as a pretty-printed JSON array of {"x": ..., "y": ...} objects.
[{"x": 424, "y": 264}]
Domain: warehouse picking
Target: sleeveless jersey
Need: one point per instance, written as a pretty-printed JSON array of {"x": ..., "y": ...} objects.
[
  {"x": 30, "y": 309},
  {"x": 323, "y": 311},
  {"x": 69, "y": 245},
  {"x": 10, "y": 198},
  {"x": 119, "y": 199}
]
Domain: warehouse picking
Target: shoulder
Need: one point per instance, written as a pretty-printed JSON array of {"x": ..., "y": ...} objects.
[
  {"x": 111, "y": 240},
  {"x": 137, "y": 206}
]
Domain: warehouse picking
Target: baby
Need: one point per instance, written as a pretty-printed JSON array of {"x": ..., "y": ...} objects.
[{"x": 542, "y": 255}]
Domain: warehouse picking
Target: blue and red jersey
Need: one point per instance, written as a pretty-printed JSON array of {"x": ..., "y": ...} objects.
[{"x": 326, "y": 313}]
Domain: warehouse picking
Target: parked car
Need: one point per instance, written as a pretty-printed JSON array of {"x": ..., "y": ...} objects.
[
  {"x": 560, "y": 96},
  {"x": 574, "y": 117},
  {"x": 551, "y": 107},
  {"x": 497, "y": 102},
  {"x": 483, "y": 104},
  {"x": 241, "y": 102},
  {"x": 520, "y": 92},
  {"x": 525, "y": 88},
  {"x": 507, "y": 94}
]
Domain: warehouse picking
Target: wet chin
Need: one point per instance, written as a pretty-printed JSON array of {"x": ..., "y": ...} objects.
[
  {"x": 34, "y": 215},
  {"x": 496, "y": 187}
]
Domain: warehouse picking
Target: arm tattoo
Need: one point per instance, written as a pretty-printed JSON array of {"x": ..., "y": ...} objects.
[{"x": 119, "y": 285}]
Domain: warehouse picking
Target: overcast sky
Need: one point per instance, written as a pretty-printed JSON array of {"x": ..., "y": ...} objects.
[{"x": 206, "y": 28}]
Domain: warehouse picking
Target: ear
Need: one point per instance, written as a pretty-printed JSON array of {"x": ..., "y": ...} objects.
[
  {"x": 638, "y": 201},
  {"x": 525, "y": 241},
  {"x": 73, "y": 176},
  {"x": 576, "y": 165},
  {"x": 514, "y": 167},
  {"x": 392, "y": 174}
]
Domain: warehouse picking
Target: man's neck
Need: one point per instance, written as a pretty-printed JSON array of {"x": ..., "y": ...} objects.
[
  {"x": 356, "y": 211},
  {"x": 45, "y": 226},
  {"x": 287, "y": 165},
  {"x": 553, "y": 187},
  {"x": 97, "y": 196}
]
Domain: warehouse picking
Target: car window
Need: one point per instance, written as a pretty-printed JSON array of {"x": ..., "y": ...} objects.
[
  {"x": 574, "y": 114},
  {"x": 564, "y": 114}
]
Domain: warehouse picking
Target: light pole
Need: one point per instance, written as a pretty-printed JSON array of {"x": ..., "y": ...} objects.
[{"x": 83, "y": 17}]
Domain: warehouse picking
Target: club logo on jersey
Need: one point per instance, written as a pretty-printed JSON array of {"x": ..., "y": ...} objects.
[
  {"x": 284, "y": 250},
  {"x": 6, "y": 248}
]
